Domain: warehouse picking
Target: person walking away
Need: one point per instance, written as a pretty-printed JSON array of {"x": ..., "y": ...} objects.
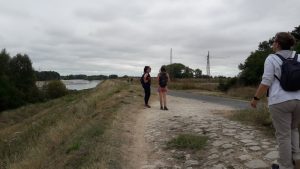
[
  {"x": 283, "y": 101},
  {"x": 163, "y": 79},
  {"x": 146, "y": 83}
]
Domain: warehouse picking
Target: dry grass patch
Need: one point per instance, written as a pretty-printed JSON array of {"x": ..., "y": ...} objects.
[{"x": 242, "y": 92}]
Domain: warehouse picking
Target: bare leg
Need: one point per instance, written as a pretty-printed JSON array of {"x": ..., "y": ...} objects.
[
  {"x": 165, "y": 99},
  {"x": 161, "y": 99}
]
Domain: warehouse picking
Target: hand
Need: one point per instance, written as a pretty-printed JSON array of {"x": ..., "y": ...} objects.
[{"x": 253, "y": 103}]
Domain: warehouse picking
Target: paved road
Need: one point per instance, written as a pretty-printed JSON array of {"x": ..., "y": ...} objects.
[{"x": 238, "y": 104}]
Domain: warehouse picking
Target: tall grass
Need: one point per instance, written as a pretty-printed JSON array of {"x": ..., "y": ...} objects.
[
  {"x": 193, "y": 84},
  {"x": 259, "y": 117},
  {"x": 241, "y": 92}
]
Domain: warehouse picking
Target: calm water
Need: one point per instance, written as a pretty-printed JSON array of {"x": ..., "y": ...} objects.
[{"x": 80, "y": 84}]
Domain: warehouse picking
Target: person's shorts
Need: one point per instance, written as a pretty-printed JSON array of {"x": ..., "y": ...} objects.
[{"x": 162, "y": 89}]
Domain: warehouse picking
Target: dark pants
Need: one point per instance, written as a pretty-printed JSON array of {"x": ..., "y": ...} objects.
[{"x": 147, "y": 90}]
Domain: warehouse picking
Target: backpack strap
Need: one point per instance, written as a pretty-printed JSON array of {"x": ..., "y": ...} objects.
[
  {"x": 281, "y": 57},
  {"x": 296, "y": 57}
]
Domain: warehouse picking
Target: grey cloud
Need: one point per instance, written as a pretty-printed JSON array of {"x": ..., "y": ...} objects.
[{"x": 120, "y": 37}]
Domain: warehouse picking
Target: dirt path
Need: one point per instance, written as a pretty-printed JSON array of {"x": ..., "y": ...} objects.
[{"x": 231, "y": 145}]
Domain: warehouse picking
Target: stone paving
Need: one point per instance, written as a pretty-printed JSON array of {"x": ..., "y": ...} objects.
[{"x": 231, "y": 145}]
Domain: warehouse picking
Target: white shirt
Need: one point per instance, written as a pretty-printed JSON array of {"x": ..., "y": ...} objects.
[{"x": 273, "y": 67}]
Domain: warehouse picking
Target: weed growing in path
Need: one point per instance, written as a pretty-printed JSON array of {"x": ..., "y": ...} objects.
[{"x": 188, "y": 141}]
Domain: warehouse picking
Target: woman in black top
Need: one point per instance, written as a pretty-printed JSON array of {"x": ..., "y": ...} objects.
[{"x": 147, "y": 84}]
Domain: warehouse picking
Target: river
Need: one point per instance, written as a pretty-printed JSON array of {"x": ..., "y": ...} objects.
[
  {"x": 80, "y": 84},
  {"x": 77, "y": 84}
]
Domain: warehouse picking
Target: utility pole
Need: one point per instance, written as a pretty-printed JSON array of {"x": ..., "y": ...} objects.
[
  {"x": 171, "y": 56},
  {"x": 208, "y": 65}
]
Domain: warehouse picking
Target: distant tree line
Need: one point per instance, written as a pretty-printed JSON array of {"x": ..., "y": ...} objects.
[
  {"x": 18, "y": 82},
  {"x": 252, "y": 68},
  {"x": 92, "y": 77},
  {"x": 47, "y": 75}
]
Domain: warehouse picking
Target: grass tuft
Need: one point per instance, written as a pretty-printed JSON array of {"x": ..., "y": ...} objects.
[
  {"x": 188, "y": 141},
  {"x": 260, "y": 117},
  {"x": 75, "y": 146},
  {"x": 257, "y": 117}
]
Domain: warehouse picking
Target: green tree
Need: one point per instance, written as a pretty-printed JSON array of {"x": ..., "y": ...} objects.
[
  {"x": 198, "y": 73},
  {"x": 296, "y": 32},
  {"x": 4, "y": 62},
  {"x": 23, "y": 77},
  {"x": 10, "y": 96},
  {"x": 187, "y": 73},
  {"x": 175, "y": 70}
]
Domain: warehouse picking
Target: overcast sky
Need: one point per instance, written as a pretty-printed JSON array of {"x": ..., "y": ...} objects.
[{"x": 122, "y": 36}]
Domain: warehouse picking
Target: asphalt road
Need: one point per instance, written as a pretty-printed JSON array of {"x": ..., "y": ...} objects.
[{"x": 238, "y": 104}]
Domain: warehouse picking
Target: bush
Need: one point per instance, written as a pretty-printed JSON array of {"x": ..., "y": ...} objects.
[
  {"x": 226, "y": 84},
  {"x": 55, "y": 89}
]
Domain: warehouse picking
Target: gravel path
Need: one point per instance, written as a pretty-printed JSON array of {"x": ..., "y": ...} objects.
[{"x": 231, "y": 145}]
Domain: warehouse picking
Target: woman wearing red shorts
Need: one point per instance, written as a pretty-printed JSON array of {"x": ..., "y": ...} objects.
[{"x": 163, "y": 79}]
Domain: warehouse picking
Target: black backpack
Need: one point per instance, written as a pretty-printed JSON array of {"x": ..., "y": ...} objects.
[
  {"x": 290, "y": 73},
  {"x": 163, "y": 79},
  {"x": 142, "y": 80}
]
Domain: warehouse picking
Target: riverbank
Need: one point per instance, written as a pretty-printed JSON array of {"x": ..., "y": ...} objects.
[{"x": 74, "y": 131}]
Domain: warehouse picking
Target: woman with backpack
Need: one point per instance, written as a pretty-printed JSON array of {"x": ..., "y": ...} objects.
[
  {"x": 146, "y": 83},
  {"x": 163, "y": 79}
]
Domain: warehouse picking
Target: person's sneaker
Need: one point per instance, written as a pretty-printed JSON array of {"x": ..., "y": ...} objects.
[
  {"x": 275, "y": 166},
  {"x": 147, "y": 105},
  {"x": 166, "y": 108},
  {"x": 161, "y": 108},
  {"x": 297, "y": 164}
]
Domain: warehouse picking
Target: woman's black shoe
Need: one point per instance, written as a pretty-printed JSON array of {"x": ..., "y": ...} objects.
[
  {"x": 166, "y": 108},
  {"x": 275, "y": 166},
  {"x": 161, "y": 108}
]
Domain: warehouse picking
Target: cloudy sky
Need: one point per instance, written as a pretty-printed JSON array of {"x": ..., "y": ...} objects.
[{"x": 122, "y": 36}]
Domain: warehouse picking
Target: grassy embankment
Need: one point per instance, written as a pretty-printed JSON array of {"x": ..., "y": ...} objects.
[{"x": 80, "y": 130}]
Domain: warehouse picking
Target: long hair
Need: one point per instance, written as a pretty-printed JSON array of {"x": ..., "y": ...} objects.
[{"x": 163, "y": 69}]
